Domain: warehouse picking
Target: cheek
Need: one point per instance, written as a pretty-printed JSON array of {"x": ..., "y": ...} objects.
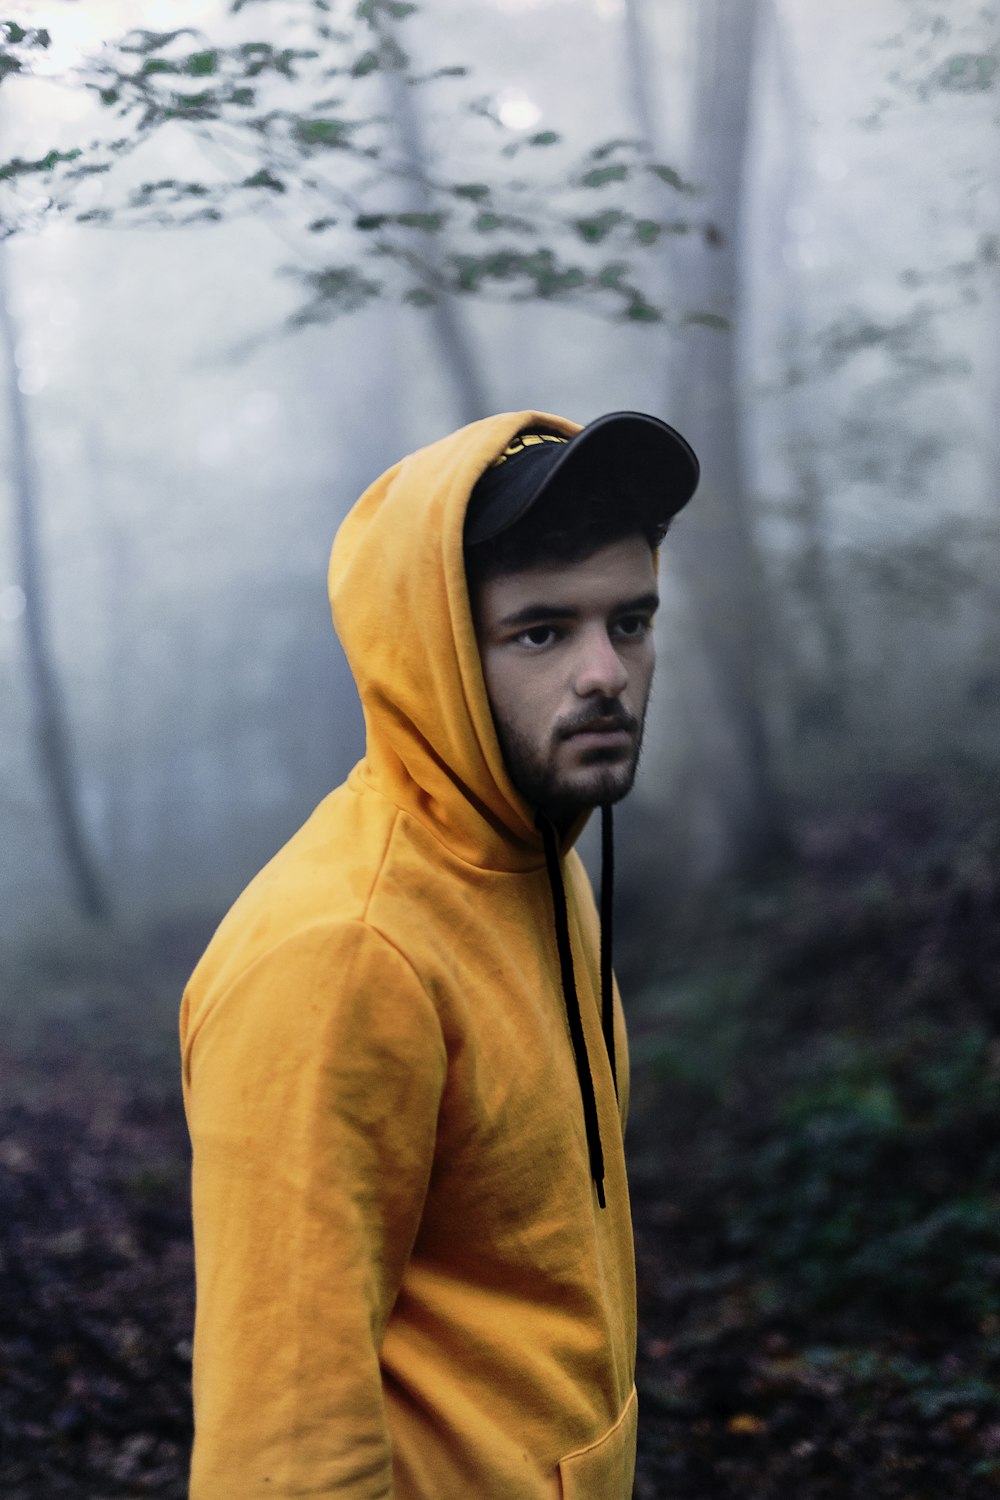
[
  {"x": 642, "y": 676},
  {"x": 521, "y": 695}
]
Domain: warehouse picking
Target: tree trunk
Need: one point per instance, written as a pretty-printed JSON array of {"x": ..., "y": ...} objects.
[
  {"x": 823, "y": 703},
  {"x": 732, "y": 815},
  {"x": 54, "y": 753},
  {"x": 455, "y": 346}
]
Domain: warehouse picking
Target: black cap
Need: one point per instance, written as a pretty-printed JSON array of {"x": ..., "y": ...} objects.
[{"x": 623, "y": 448}]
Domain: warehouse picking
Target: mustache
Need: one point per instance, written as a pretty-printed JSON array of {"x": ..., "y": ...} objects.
[{"x": 600, "y": 720}]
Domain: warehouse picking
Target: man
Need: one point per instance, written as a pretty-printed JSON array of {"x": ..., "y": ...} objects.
[{"x": 405, "y": 1088}]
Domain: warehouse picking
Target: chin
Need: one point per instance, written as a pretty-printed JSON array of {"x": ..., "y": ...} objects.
[{"x": 604, "y": 784}]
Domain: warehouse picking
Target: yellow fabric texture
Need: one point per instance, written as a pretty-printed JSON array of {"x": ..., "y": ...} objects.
[{"x": 406, "y": 1287}]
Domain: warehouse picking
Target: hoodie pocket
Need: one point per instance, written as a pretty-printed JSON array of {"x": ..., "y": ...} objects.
[{"x": 604, "y": 1470}]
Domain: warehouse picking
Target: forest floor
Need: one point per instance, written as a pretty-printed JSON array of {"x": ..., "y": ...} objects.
[{"x": 816, "y": 1181}]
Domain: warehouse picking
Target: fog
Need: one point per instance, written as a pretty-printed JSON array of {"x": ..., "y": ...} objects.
[{"x": 830, "y": 612}]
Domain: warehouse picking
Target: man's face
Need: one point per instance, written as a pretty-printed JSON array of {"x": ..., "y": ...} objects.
[{"x": 568, "y": 655}]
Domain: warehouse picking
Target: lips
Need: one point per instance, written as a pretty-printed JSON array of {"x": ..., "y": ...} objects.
[
  {"x": 613, "y": 734},
  {"x": 604, "y": 729},
  {"x": 601, "y": 739}
]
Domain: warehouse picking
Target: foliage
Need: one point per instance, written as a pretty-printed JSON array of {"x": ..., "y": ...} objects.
[
  {"x": 940, "y": 49},
  {"x": 816, "y": 1172},
  {"x": 857, "y": 1063},
  {"x": 300, "y": 122},
  {"x": 16, "y": 44}
]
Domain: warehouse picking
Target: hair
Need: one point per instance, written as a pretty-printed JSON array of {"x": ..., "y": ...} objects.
[{"x": 567, "y": 527}]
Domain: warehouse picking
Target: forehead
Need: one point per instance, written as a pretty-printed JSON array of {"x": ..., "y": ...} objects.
[{"x": 610, "y": 577}]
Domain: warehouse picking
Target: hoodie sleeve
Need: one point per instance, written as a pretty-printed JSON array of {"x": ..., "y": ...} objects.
[{"x": 312, "y": 1085}]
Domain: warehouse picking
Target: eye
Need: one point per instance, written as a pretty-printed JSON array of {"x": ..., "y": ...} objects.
[
  {"x": 537, "y": 636},
  {"x": 633, "y": 627}
]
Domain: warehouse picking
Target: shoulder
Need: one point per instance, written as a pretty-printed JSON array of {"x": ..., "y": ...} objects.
[
  {"x": 332, "y": 988},
  {"x": 297, "y": 946},
  {"x": 319, "y": 882}
]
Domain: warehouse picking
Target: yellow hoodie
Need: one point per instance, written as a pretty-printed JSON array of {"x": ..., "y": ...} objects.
[{"x": 406, "y": 1286}]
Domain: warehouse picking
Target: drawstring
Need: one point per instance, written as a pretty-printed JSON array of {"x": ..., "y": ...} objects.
[
  {"x": 607, "y": 932},
  {"x": 590, "y": 1120}
]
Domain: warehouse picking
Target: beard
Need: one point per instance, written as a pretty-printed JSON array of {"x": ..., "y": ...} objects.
[{"x": 601, "y": 776}]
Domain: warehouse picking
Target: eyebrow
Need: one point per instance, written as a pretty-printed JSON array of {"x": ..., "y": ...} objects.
[{"x": 532, "y": 613}]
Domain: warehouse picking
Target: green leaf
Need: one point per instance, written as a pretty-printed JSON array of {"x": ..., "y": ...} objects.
[
  {"x": 485, "y": 223},
  {"x": 708, "y": 320},
  {"x": 476, "y": 191},
  {"x": 322, "y": 132},
  {"x": 143, "y": 42},
  {"x": 338, "y": 289},
  {"x": 13, "y": 32},
  {"x": 599, "y": 176},
  {"x": 457, "y": 71},
  {"x": 366, "y": 222},
  {"x": 158, "y": 65},
  {"x": 149, "y": 190},
  {"x": 264, "y": 179},
  {"x": 641, "y": 311},
  {"x": 243, "y": 96},
  {"x": 201, "y": 64},
  {"x": 610, "y": 276},
  {"x": 669, "y": 176},
  {"x": 397, "y": 10},
  {"x": 571, "y": 279},
  {"x": 540, "y": 267},
  {"x": 197, "y": 106},
  {"x": 544, "y": 138},
  {"x": 599, "y": 226},
  {"x": 967, "y": 73},
  {"x": 472, "y": 270},
  {"x": 318, "y": 225},
  {"x": 18, "y": 167},
  {"x": 419, "y": 296},
  {"x": 365, "y": 64},
  {"x": 550, "y": 280},
  {"x": 598, "y": 153},
  {"x": 647, "y": 231},
  {"x": 429, "y": 222}
]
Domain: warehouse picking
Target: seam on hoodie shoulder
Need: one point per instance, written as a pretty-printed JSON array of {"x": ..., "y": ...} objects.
[
  {"x": 379, "y": 931},
  {"x": 373, "y": 887}
]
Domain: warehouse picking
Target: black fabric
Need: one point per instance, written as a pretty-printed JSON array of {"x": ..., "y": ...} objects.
[
  {"x": 621, "y": 449},
  {"x": 572, "y": 1003}
]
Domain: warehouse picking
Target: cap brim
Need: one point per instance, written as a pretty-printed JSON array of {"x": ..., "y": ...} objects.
[{"x": 622, "y": 447}]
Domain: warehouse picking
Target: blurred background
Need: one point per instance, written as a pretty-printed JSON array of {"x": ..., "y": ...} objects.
[{"x": 253, "y": 253}]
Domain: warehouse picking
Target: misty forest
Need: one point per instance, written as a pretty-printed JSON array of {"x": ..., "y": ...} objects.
[{"x": 254, "y": 251}]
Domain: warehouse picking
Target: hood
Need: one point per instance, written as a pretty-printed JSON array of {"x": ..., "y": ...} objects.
[{"x": 401, "y": 609}]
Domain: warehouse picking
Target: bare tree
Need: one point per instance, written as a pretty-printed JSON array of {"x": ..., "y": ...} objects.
[
  {"x": 54, "y": 753},
  {"x": 731, "y": 814},
  {"x": 824, "y": 702}
]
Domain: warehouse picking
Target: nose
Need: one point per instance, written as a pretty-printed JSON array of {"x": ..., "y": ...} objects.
[{"x": 600, "y": 671}]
